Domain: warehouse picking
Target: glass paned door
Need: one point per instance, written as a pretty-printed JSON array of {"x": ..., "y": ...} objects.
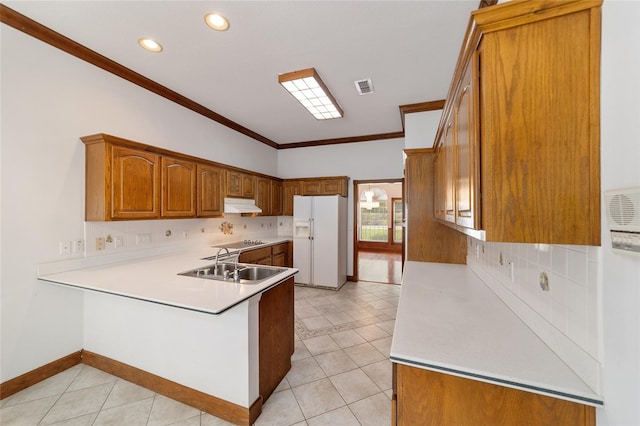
[
  {"x": 397, "y": 220},
  {"x": 374, "y": 223}
]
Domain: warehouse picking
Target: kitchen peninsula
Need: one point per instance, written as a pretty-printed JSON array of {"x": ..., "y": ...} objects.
[{"x": 219, "y": 346}]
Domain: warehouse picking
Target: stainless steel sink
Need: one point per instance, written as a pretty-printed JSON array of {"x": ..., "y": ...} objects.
[
  {"x": 247, "y": 274},
  {"x": 258, "y": 273}
]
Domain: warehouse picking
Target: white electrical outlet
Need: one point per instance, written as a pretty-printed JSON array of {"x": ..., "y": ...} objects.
[
  {"x": 143, "y": 239},
  {"x": 65, "y": 248},
  {"x": 100, "y": 243},
  {"x": 77, "y": 246}
]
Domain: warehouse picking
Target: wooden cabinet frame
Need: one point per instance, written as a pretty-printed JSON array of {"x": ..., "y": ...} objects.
[
  {"x": 430, "y": 398},
  {"x": 127, "y": 180},
  {"x": 533, "y": 104}
]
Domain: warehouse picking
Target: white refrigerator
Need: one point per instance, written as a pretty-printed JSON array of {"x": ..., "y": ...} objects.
[{"x": 320, "y": 240}]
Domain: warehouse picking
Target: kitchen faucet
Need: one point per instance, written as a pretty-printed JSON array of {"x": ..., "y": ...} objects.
[
  {"x": 215, "y": 266},
  {"x": 235, "y": 267}
]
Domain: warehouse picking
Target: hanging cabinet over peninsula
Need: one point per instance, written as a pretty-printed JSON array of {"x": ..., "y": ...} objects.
[
  {"x": 178, "y": 188},
  {"x": 518, "y": 143},
  {"x": 126, "y": 180},
  {"x": 122, "y": 181},
  {"x": 210, "y": 185}
]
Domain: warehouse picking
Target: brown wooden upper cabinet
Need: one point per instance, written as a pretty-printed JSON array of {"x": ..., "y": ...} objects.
[
  {"x": 519, "y": 140},
  {"x": 240, "y": 185},
  {"x": 276, "y": 198},
  {"x": 128, "y": 180},
  {"x": 122, "y": 182},
  {"x": 331, "y": 185},
  {"x": 210, "y": 191},
  {"x": 269, "y": 196},
  {"x": 325, "y": 186},
  {"x": 263, "y": 195},
  {"x": 289, "y": 189},
  {"x": 178, "y": 188}
]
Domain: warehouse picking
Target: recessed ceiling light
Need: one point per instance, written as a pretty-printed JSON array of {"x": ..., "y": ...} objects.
[
  {"x": 150, "y": 45},
  {"x": 216, "y": 21},
  {"x": 309, "y": 89}
]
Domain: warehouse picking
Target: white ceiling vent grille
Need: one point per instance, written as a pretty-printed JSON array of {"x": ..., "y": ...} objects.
[{"x": 364, "y": 86}]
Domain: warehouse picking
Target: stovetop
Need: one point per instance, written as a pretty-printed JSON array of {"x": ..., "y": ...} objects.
[{"x": 241, "y": 244}]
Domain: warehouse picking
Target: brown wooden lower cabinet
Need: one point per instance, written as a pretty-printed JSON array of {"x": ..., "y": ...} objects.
[
  {"x": 260, "y": 256},
  {"x": 276, "y": 336},
  {"x": 425, "y": 397},
  {"x": 275, "y": 255}
]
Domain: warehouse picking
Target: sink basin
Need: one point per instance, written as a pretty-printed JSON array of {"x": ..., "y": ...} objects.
[
  {"x": 247, "y": 274},
  {"x": 258, "y": 273}
]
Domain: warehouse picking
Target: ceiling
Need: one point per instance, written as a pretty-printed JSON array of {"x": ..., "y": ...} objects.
[{"x": 407, "y": 48}]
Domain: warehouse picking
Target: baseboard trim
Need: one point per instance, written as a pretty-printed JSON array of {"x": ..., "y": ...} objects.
[
  {"x": 30, "y": 378},
  {"x": 218, "y": 407},
  {"x": 210, "y": 404}
]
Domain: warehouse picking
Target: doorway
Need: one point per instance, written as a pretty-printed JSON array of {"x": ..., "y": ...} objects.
[{"x": 379, "y": 232}]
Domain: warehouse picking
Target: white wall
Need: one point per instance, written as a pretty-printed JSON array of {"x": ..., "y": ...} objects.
[
  {"x": 620, "y": 156},
  {"x": 50, "y": 99},
  {"x": 420, "y": 128},
  {"x": 360, "y": 161}
]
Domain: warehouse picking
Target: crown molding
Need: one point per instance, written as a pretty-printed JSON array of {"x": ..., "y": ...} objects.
[{"x": 30, "y": 27}]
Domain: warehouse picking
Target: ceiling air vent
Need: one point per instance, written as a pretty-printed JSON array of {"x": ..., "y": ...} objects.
[{"x": 364, "y": 86}]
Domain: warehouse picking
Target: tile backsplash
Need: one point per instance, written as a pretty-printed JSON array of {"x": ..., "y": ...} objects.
[
  {"x": 132, "y": 235},
  {"x": 569, "y": 309}
]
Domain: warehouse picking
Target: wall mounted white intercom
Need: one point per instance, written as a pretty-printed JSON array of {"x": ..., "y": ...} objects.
[{"x": 623, "y": 216}]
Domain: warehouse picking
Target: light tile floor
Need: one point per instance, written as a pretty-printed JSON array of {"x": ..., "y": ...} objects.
[{"x": 340, "y": 375}]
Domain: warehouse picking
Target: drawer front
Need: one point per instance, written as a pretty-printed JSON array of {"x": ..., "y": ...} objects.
[
  {"x": 255, "y": 255},
  {"x": 280, "y": 248}
]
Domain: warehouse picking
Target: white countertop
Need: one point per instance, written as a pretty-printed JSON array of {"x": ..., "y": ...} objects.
[
  {"x": 155, "y": 279},
  {"x": 449, "y": 321}
]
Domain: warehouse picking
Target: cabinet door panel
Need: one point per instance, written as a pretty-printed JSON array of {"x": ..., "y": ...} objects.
[
  {"x": 241, "y": 185},
  {"x": 431, "y": 398},
  {"x": 332, "y": 186},
  {"x": 234, "y": 184},
  {"x": 449, "y": 164},
  {"x": 276, "y": 198},
  {"x": 248, "y": 185},
  {"x": 210, "y": 187},
  {"x": 263, "y": 195},
  {"x": 289, "y": 189},
  {"x": 311, "y": 187},
  {"x": 276, "y": 331},
  {"x": 440, "y": 183},
  {"x": 466, "y": 148},
  {"x": 135, "y": 184},
  {"x": 178, "y": 188}
]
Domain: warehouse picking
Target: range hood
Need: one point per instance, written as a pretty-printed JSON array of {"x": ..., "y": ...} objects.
[{"x": 240, "y": 205}]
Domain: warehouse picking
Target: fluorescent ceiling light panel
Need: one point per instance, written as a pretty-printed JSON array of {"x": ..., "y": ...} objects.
[{"x": 309, "y": 89}]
